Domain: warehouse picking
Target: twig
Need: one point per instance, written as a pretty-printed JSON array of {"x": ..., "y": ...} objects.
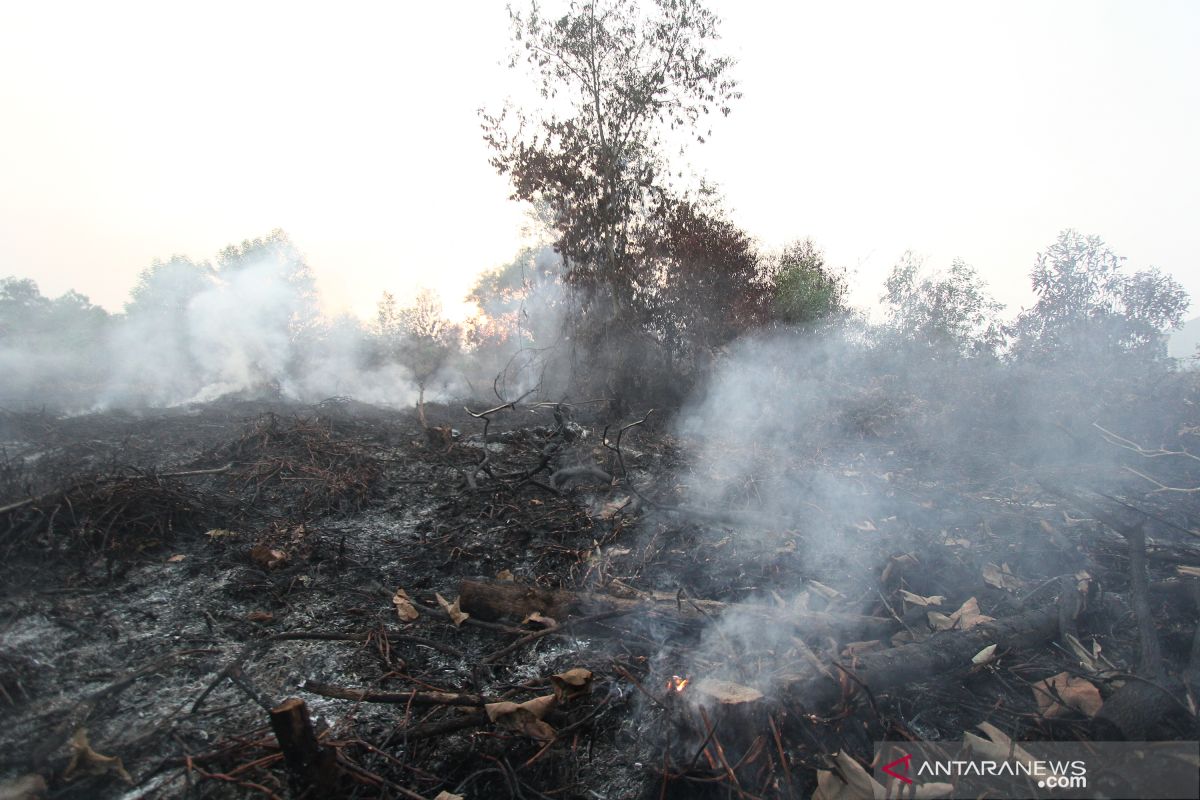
[
  {"x": 414, "y": 698},
  {"x": 1126, "y": 444},
  {"x": 533, "y": 637},
  {"x": 42, "y": 498}
]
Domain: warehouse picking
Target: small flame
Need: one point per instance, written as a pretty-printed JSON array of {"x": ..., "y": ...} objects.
[{"x": 677, "y": 683}]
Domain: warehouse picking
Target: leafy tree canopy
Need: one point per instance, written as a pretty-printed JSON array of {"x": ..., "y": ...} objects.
[
  {"x": 1090, "y": 305},
  {"x": 614, "y": 81},
  {"x": 806, "y": 289},
  {"x": 949, "y": 311}
]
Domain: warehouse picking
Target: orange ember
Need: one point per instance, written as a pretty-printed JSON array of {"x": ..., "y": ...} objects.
[{"x": 677, "y": 683}]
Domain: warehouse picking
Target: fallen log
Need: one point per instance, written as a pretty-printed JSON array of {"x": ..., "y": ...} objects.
[
  {"x": 494, "y": 599},
  {"x": 941, "y": 653}
]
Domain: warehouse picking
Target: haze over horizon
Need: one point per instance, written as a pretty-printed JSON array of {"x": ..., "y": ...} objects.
[{"x": 138, "y": 131}]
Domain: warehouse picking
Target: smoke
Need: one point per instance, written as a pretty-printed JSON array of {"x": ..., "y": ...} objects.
[
  {"x": 527, "y": 347},
  {"x": 192, "y": 333},
  {"x": 832, "y": 452}
]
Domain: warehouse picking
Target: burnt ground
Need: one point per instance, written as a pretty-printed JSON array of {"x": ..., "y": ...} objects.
[{"x": 171, "y": 576}]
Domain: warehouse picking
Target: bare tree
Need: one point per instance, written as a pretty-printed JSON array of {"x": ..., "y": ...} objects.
[{"x": 418, "y": 337}]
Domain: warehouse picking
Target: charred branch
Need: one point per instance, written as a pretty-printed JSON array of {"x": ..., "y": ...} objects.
[{"x": 499, "y": 599}]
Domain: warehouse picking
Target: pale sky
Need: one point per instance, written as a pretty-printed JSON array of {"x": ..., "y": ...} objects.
[{"x": 133, "y": 131}]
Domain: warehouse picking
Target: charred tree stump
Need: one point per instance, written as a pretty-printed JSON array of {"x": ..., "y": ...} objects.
[
  {"x": 312, "y": 766},
  {"x": 491, "y": 600},
  {"x": 721, "y": 721}
]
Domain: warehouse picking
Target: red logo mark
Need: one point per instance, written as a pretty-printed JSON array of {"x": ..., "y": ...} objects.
[{"x": 904, "y": 764}]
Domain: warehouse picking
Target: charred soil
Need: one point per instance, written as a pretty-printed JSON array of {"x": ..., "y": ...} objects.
[{"x": 524, "y": 602}]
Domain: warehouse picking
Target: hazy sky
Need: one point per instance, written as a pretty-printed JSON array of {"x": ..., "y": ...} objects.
[{"x": 132, "y": 131}]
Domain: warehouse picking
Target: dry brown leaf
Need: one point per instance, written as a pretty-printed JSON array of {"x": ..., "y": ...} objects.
[
  {"x": 444, "y": 795},
  {"x": 524, "y": 717},
  {"x": 505, "y": 575},
  {"x": 1083, "y": 581},
  {"x": 939, "y": 621},
  {"x": 966, "y": 617},
  {"x": 854, "y": 782},
  {"x": 918, "y": 600},
  {"x": 985, "y": 656},
  {"x": 1002, "y": 578},
  {"x": 1087, "y": 659},
  {"x": 220, "y": 533},
  {"x": 260, "y": 616},
  {"x": 268, "y": 557},
  {"x": 571, "y": 684},
  {"x": 1092, "y": 660},
  {"x": 541, "y": 619},
  {"x": 540, "y": 706},
  {"x": 1055, "y": 695},
  {"x": 1187, "y": 571},
  {"x": 612, "y": 508},
  {"x": 175, "y": 559},
  {"x": 727, "y": 692},
  {"x": 861, "y": 785},
  {"x": 499, "y": 710},
  {"x": 853, "y": 649},
  {"x": 404, "y": 607},
  {"x": 827, "y": 592},
  {"x": 457, "y": 615},
  {"x": 87, "y": 761}
]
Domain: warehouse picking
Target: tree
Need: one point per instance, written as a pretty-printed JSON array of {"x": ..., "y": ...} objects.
[
  {"x": 520, "y": 297},
  {"x": 513, "y": 341},
  {"x": 165, "y": 288},
  {"x": 69, "y": 322},
  {"x": 949, "y": 311},
  {"x": 271, "y": 280},
  {"x": 1089, "y": 306},
  {"x": 711, "y": 284},
  {"x": 419, "y": 337},
  {"x": 806, "y": 289},
  {"x": 22, "y": 307},
  {"x": 615, "y": 84},
  {"x": 51, "y": 350},
  {"x": 275, "y": 261}
]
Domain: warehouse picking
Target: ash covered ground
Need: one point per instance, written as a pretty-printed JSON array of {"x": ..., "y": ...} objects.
[{"x": 673, "y": 612}]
